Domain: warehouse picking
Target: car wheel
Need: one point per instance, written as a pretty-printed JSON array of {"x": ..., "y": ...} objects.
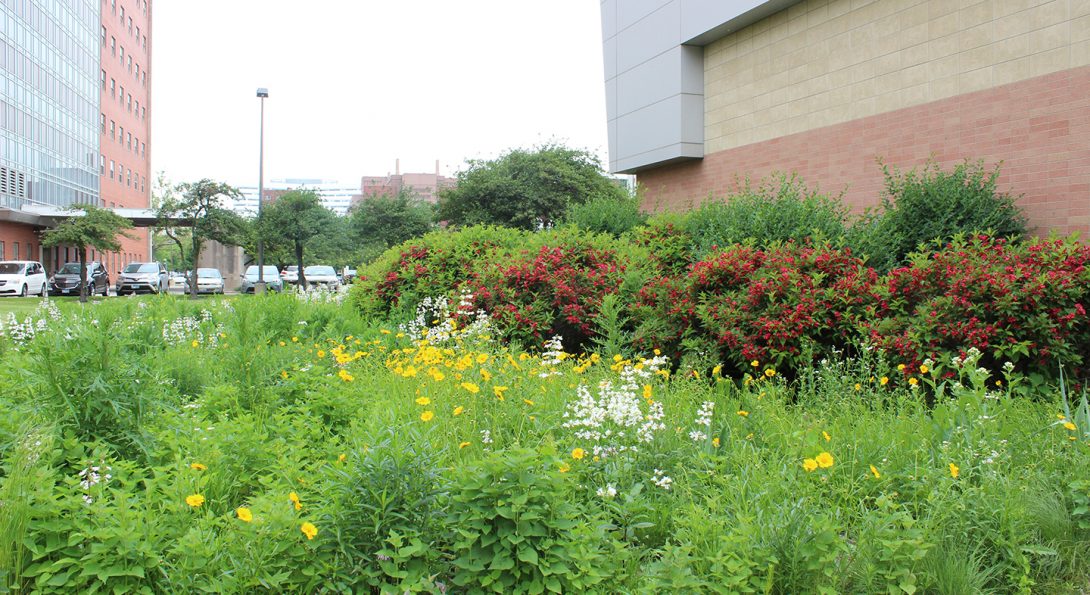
[{"x": 43, "y": 291}]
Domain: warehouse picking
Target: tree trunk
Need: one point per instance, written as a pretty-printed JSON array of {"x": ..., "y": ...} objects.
[
  {"x": 299, "y": 263},
  {"x": 196, "y": 253},
  {"x": 83, "y": 274}
]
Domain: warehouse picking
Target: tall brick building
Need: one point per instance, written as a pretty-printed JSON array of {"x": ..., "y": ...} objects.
[
  {"x": 699, "y": 92},
  {"x": 74, "y": 119}
]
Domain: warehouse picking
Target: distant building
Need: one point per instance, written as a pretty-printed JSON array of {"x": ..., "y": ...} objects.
[
  {"x": 334, "y": 195},
  {"x": 425, "y": 186}
]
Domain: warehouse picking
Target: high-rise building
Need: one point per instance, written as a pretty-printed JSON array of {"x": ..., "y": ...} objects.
[
  {"x": 124, "y": 157},
  {"x": 700, "y": 94},
  {"x": 334, "y": 195},
  {"x": 48, "y": 112},
  {"x": 74, "y": 118}
]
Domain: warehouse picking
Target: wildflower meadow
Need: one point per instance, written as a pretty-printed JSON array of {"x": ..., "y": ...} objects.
[{"x": 296, "y": 443}]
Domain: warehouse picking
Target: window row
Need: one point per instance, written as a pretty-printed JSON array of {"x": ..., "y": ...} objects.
[
  {"x": 123, "y": 174},
  {"x": 125, "y": 61},
  {"x": 127, "y": 22},
  {"x": 118, "y": 133},
  {"x": 125, "y": 99}
]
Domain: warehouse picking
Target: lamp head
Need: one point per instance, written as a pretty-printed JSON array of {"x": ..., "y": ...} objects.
[{"x": 262, "y": 92}]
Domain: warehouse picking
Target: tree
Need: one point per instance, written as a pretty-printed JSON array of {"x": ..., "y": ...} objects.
[
  {"x": 295, "y": 218},
  {"x": 528, "y": 189},
  {"x": 97, "y": 228},
  {"x": 389, "y": 220},
  {"x": 200, "y": 206}
]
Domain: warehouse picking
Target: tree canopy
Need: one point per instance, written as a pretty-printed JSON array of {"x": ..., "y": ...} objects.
[
  {"x": 292, "y": 220},
  {"x": 200, "y": 205},
  {"x": 96, "y": 228},
  {"x": 527, "y": 189},
  {"x": 389, "y": 220}
]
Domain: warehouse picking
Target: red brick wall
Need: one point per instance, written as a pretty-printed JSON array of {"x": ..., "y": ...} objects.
[
  {"x": 10, "y": 233},
  {"x": 1038, "y": 128}
]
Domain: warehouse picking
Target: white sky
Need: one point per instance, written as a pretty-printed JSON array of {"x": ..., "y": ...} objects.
[{"x": 355, "y": 84}]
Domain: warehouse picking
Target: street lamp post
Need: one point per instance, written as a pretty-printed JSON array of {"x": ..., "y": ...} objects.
[{"x": 259, "y": 287}]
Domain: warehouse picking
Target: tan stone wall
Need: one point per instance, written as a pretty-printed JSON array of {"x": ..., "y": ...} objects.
[{"x": 825, "y": 62}]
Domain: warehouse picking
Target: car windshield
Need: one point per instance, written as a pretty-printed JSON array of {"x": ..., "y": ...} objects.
[
  {"x": 11, "y": 268},
  {"x": 292, "y": 269},
  {"x": 208, "y": 273},
  {"x": 142, "y": 267},
  {"x": 270, "y": 272},
  {"x": 72, "y": 268},
  {"x": 319, "y": 270}
]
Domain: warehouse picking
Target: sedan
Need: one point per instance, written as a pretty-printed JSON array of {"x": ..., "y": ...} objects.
[
  {"x": 269, "y": 275},
  {"x": 209, "y": 281},
  {"x": 150, "y": 277},
  {"x": 318, "y": 274}
]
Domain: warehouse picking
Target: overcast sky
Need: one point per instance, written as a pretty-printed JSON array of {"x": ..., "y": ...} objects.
[{"x": 355, "y": 84}]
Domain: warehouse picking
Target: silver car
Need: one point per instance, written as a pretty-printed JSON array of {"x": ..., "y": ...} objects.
[
  {"x": 320, "y": 274},
  {"x": 270, "y": 275},
  {"x": 150, "y": 277},
  {"x": 209, "y": 281}
]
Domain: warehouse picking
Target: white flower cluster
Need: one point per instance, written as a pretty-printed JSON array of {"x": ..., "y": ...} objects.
[
  {"x": 186, "y": 329},
  {"x": 703, "y": 418},
  {"x": 608, "y": 492},
  {"x": 435, "y": 322},
  {"x": 91, "y": 477},
  {"x": 321, "y": 294},
  {"x": 552, "y": 356},
  {"x": 661, "y": 479},
  {"x": 37, "y": 321},
  {"x": 617, "y": 418},
  {"x": 486, "y": 437}
]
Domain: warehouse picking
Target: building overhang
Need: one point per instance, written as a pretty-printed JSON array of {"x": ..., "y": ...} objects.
[{"x": 47, "y": 216}]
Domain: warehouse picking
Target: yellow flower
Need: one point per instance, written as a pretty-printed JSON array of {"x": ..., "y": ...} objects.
[
  {"x": 194, "y": 500},
  {"x": 770, "y": 372},
  {"x": 826, "y": 436},
  {"x": 196, "y": 343},
  {"x": 755, "y": 364},
  {"x": 341, "y": 457},
  {"x": 244, "y": 514},
  {"x": 345, "y": 376},
  {"x": 486, "y": 375},
  {"x": 427, "y": 416},
  {"x": 874, "y": 471},
  {"x": 809, "y": 465},
  {"x": 924, "y": 369},
  {"x": 282, "y": 343},
  {"x": 578, "y": 453},
  {"x": 295, "y": 339},
  {"x": 954, "y": 470},
  {"x": 295, "y": 501},
  {"x": 715, "y": 442},
  {"x": 884, "y": 381},
  {"x": 1070, "y": 426},
  {"x": 528, "y": 402},
  {"x": 469, "y": 386},
  {"x": 900, "y": 367},
  {"x": 498, "y": 391},
  {"x": 482, "y": 358},
  {"x": 458, "y": 410},
  {"x": 858, "y": 386},
  {"x": 423, "y": 401},
  {"x": 321, "y": 353},
  {"x": 284, "y": 374},
  {"x": 308, "y": 529},
  {"x": 463, "y": 445},
  {"x": 647, "y": 391},
  {"x": 197, "y": 466},
  {"x": 385, "y": 332},
  {"x": 743, "y": 413},
  {"x": 999, "y": 383},
  {"x": 824, "y": 460},
  {"x": 564, "y": 467},
  {"x": 617, "y": 358},
  {"x": 913, "y": 382}
]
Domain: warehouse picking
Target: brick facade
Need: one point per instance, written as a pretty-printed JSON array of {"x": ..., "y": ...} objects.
[{"x": 1039, "y": 128}]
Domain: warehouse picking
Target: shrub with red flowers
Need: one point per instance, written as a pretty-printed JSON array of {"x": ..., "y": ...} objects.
[
  {"x": 783, "y": 306},
  {"x": 554, "y": 286},
  {"x": 1019, "y": 302}
]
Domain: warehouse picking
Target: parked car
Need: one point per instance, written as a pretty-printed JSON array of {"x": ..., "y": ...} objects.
[
  {"x": 66, "y": 280},
  {"x": 209, "y": 281},
  {"x": 320, "y": 274},
  {"x": 290, "y": 275},
  {"x": 177, "y": 280},
  {"x": 137, "y": 277},
  {"x": 271, "y": 278},
  {"x": 347, "y": 275},
  {"x": 22, "y": 278}
]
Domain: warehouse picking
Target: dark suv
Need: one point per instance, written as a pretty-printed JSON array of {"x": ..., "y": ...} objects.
[{"x": 66, "y": 280}]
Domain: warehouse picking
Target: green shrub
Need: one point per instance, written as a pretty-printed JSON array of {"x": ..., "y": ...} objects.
[
  {"x": 778, "y": 209},
  {"x": 518, "y": 528},
  {"x": 665, "y": 239},
  {"x": 931, "y": 205},
  {"x": 607, "y": 214}
]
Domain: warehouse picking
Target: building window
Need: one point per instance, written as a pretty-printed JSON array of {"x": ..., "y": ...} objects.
[
  {"x": 143, "y": 113},
  {"x": 130, "y": 25},
  {"x": 145, "y": 42},
  {"x": 128, "y": 177},
  {"x": 122, "y": 16},
  {"x": 113, "y": 87},
  {"x": 2, "y": 255},
  {"x": 104, "y": 37},
  {"x": 121, "y": 134},
  {"x": 15, "y": 250},
  {"x": 102, "y": 123},
  {"x": 130, "y": 103},
  {"x": 122, "y": 92},
  {"x": 143, "y": 148},
  {"x": 113, "y": 45},
  {"x": 103, "y": 80},
  {"x": 130, "y": 141},
  {"x": 129, "y": 64},
  {"x": 101, "y": 164},
  {"x": 111, "y": 169},
  {"x": 122, "y": 55},
  {"x": 113, "y": 128},
  {"x": 138, "y": 32},
  {"x": 113, "y": 6},
  {"x": 144, "y": 78},
  {"x": 137, "y": 108}
]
